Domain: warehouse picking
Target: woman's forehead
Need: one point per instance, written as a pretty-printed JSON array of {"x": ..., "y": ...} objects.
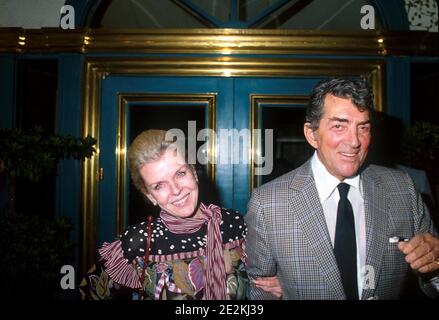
[
  {"x": 172, "y": 155},
  {"x": 162, "y": 168}
]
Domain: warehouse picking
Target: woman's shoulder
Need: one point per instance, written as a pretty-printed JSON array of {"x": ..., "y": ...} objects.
[
  {"x": 118, "y": 265},
  {"x": 121, "y": 257},
  {"x": 232, "y": 216},
  {"x": 134, "y": 239},
  {"x": 233, "y": 227},
  {"x": 164, "y": 244}
]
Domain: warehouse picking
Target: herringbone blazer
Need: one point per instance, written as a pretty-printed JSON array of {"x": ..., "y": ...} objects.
[{"x": 288, "y": 236}]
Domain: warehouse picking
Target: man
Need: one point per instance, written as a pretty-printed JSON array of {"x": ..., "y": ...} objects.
[{"x": 333, "y": 228}]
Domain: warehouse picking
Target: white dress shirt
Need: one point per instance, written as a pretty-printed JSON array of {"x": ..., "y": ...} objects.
[{"x": 329, "y": 196}]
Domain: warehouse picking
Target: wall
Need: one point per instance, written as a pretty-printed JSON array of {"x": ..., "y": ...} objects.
[
  {"x": 30, "y": 13},
  {"x": 422, "y": 15}
]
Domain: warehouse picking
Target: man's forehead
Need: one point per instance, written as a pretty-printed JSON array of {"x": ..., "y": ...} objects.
[
  {"x": 334, "y": 104},
  {"x": 330, "y": 98}
]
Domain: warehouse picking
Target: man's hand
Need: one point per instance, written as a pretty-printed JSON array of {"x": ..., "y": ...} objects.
[
  {"x": 422, "y": 252},
  {"x": 269, "y": 284}
]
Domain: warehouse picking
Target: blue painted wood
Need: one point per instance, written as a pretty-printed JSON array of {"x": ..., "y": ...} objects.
[
  {"x": 233, "y": 112},
  {"x": 7, "y": 90},
  {"x": 398, "y": 88},
  {"x": 216, "y": 23},
  {"x": 113, "y": 85},
  {"x": 425, "y": 59},
  {"x": 84, "y": 10},
  {"x": 392, "y": 14},
  {"x": 68, "y": 121},
  {"x": 7, "y": 105},
  {"x": 266, "y": 12},
  {"x": 234, "y": 11},
  {"x": 233, "y": 21}
]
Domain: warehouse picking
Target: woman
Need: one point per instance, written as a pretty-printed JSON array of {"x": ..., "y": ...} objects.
[{"x": 191, "y": 251}]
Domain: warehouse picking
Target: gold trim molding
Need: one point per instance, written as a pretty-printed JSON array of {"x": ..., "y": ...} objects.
[
  {"x": 219, "y": 41},
  {"x": 98, "y": 68}
]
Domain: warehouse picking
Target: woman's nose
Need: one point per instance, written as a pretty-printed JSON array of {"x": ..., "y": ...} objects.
[{"x": 175, "y": 188}]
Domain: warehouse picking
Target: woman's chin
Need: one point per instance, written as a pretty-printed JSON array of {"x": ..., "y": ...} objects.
[{"x": 185, "y": 212}]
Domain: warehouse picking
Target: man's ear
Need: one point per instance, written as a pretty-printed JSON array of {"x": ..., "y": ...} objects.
[{"x": 310, "y": 135}]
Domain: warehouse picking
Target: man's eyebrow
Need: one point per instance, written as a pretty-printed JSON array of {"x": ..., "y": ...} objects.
[
  {"x": 364, "y": 122},
  {"x": 338, "y": 119}
]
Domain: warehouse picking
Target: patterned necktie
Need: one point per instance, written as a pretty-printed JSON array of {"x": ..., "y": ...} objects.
[{"x": 345, "y": 248}]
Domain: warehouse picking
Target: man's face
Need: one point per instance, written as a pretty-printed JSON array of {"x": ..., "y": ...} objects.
[{"x": 343, "y": 137}]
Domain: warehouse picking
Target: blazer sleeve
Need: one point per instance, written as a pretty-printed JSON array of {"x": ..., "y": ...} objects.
[
  {"x": 260, "y": 261},
  {"x": 423, "y": 224}
]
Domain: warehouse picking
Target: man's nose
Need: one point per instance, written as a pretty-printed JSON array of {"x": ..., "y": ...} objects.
[{"x": 353, "y": 138}]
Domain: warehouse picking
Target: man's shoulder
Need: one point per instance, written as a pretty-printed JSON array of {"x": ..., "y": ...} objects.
[
  {"x": 384, "y": 171},
  {"x": 386, "y": 175},
  {"x": 286, "y": 180}
]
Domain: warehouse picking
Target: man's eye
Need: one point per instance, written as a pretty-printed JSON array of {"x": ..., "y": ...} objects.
[
  {"x": 157, "y": 187},
  {"x": 181, "y": 173},
  {"x": 337, "y": 126},
  {"x": 365, "y": 128}
]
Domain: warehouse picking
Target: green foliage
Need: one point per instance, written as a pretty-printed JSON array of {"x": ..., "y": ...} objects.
[
  {"x": 33, "y": 249},
  {"x": 420, "y": 148},
  {"x": 32, "y": 154}
]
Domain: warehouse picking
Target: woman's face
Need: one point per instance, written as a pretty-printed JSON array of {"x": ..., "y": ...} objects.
[{"x": 171, "y": 183}]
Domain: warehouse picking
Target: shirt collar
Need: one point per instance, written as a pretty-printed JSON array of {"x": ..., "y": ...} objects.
[{"x": 326, "y": 183}]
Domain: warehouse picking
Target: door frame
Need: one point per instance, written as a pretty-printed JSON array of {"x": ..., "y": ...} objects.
[{"x": 96, "y": 69}]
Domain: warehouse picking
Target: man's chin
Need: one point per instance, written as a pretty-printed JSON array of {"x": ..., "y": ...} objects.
[
  {"x": 350, "y": 173},
  {"x": 349, "y": 170}
]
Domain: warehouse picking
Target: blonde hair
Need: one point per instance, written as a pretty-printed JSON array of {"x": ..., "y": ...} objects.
[{"x": 147, "y": 147}]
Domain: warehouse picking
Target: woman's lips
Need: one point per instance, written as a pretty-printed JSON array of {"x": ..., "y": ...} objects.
[{"x": 181, "y": 202}]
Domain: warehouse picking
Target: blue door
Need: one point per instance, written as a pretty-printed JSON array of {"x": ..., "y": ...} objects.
[{"x": 238, "y": 110}]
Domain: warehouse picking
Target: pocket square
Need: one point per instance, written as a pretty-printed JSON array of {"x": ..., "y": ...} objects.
[{"x": 397, "y": 239}]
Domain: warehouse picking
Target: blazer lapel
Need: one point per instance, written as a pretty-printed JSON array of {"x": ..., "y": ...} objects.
[
  {"x": 305, "y": 201},
  {"x": 376, "y": 230}
]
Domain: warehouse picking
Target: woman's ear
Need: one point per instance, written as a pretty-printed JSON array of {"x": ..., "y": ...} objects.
[
  {"x": 151, "y": 198},
  {"x": 310, "y": 135},
  {"x": 194, "y": 172}
]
